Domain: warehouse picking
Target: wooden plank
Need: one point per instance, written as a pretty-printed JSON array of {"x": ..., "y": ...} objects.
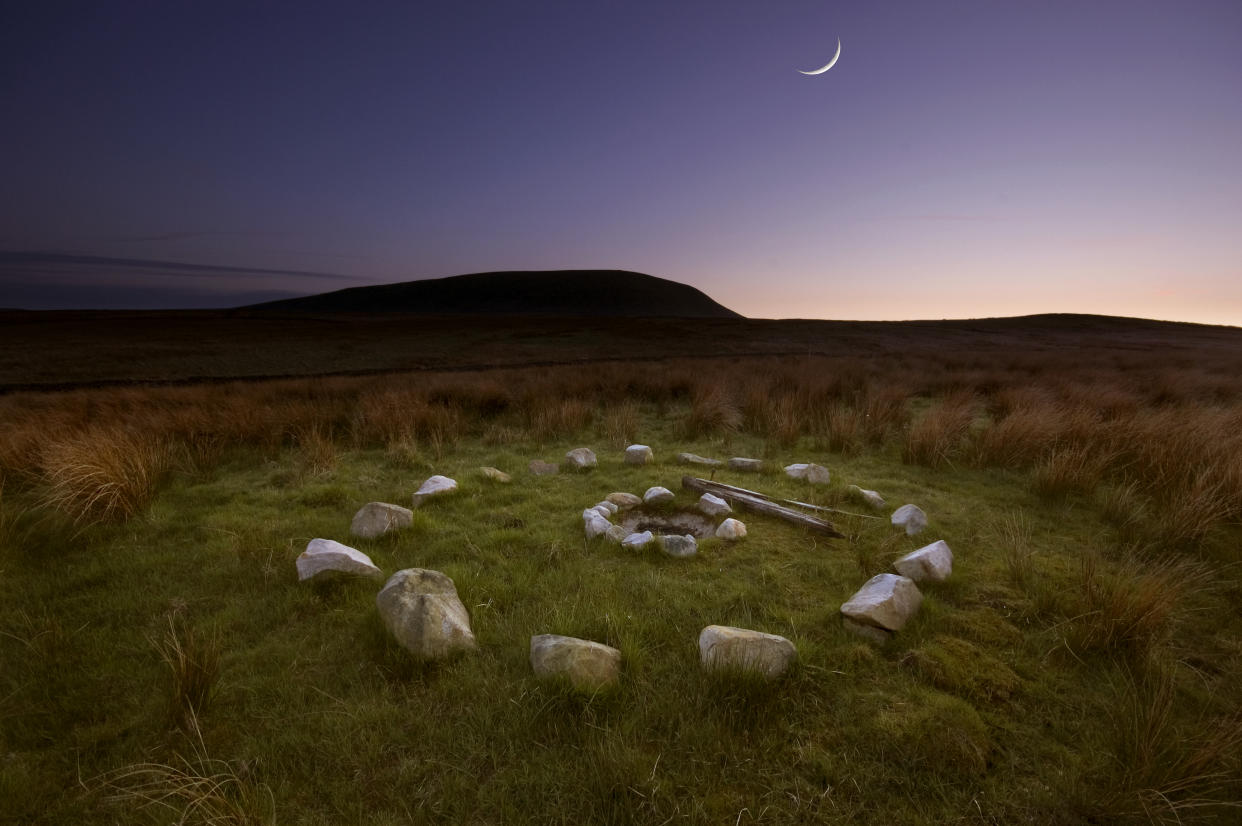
[{"x": 757, "y": 502}]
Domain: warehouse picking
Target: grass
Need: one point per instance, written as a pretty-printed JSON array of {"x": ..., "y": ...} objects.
[{"x": 1063, "y": 674}]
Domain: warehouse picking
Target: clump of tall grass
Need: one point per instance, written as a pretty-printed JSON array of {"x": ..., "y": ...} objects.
[
  {"x": 620, "y": 424},
  {"x": 316, "y": 448},
  {"x": 840, "y": 428},
  {"x": 884, "y": 412},
  {"x": 1068, "y": 470},
  {"x": 193, "y": 660},
  {"x": 564, "y": 417},
  {"x": 713, "y": 411},
  {"x": 937, "y": 437},
  {"x": 1187, "y": 515},
  {"x": 103, "y": 474}
]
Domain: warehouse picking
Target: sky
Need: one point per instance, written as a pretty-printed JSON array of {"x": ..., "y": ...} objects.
[{"x": 960, "y": 159}]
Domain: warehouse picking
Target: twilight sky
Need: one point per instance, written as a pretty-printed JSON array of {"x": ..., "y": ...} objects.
[{"x": 961, "y": 158}]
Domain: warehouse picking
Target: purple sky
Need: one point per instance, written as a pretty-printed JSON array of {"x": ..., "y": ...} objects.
[{"x": 961, "y": 159}]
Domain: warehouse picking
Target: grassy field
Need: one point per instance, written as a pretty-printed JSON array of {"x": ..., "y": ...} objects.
[{"x": 1082, "y": 665}]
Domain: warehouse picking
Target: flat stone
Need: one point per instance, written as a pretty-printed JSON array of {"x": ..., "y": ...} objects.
[
  {"x": 868, "y": 632},
  {"x": 910, "y": 517},
  {"x": 580, "y": 458},
  {"x": 694, "y": 459},
  {"x": 810, "y": 472},
  {"x": 637, "y": 540},
  {"x": 678, "y": 546},
  {"x": 542, "y": 468},
  {"x": 597, "y": 509},
  {"x": 886, "y": 600},
  {"x": 611, "y": 507},
  {"x": 624, "y": 501},
  {"x": 495, "y": 474},
  {"x": 872, "y": 498},
  {"x": 434, "y": 486},
  {"x": 724, "y": 647},
  {"x": 587, "y": 665},
  {"x": 713, "y": 505},
  {"x": 658, "y": 496},
  {"x": 422, "y": 611},
  {"x": 378, "y": 518},
  {"x": 748, "y": 465},
  {"x": 616, "y": 533},
  {"x": 731, "y": 529},
  {"x": 931, "y": 563},
  {"x": 638, "y": 455},
  {"x": 325, "y": 557}
]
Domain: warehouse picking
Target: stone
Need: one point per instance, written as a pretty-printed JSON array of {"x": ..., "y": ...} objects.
[
  {"x": 870, "y": 633},
  {"x": 587, "y": 665},
  {"x": 600, "y": 509},
  {"x": 422, "y": 611},
  {"x": 378, "y": 518},
  {"x": 638, "y": 455},
  {"x": 495, "y": 474},
  {"x": 869, "y": 496},
  {"x": 748, "y": 465},
  {"x": 676, "y": 546},
  {"x": 624, "y": 501},
  {"x": 931, "y": 563},
  {"x": 580, "y": 458},
  {"x": 611, "y": 507},
  {"x": 434, "y": 486},
  {"x": 723, "y": 647},
  {"x": 731, "y": 529},
  {"x": 713, "y": 505},
  {"x": 616, "y": 533},
  {"x": 813, "y": 473},
  {"x": 542, "y": 468},
  {"x": 693, "y": 459},
  {"x": 910, "y": 517},
  {"x": 598, "y": 526},
  {"x": 658, "y": 496},
  {"x": 637, "y": 540},
  {"x": 886, "y": 600},
  {"x": 325, "y": 557}
]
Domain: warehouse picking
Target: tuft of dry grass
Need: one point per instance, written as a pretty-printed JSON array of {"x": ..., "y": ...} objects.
[
  {"x": 620, "y": 424},
  {"x": 1068, "y": 470},
  {"x": 103, "y": 474},
  {"x": 937, "y": 437},
  {"x": 316, "y": 449},
  {"x": 193, "y": 658},
  {"x": 565, "y": 417},
  {"x": 713, "y": 411}
]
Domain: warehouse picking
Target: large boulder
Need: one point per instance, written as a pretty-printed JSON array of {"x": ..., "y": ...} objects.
[
  {"x": 434, "y": 486},
  {"x": 731, "y": 529},
  {"x": 422, "y": 611},
  {"x": 910, "y": 517},
  {"x": 495, "y": 474},
  {"x": 744, "y": 464},
  {"x": 724, "y": 647},
  {"x": 813, "y": 473},
  {"x": 713, "y": 505},
  {"x": 587, "y": 665},
  {"x": 637, "y": 540},
  {"x": 931, "y": 563},
  {"x": 693, "y": 459},
  {"x": 886, "y": 601},
  {"x": 658, "y": 496},
  {"x": 676, "y": 546},
  {"x": 378, "y": 518},
  {"x": 871, "y": 633},
  {"x": 624, "y": 501},
  {"x": 326, "y": 558},
  {"x": 638, "y": 455},
  {"x": 542, "y": 468},
  {"x": 872, "y": 498},
  {"x": 580, "y": 458},
  {"x": 596, "y": 526}
]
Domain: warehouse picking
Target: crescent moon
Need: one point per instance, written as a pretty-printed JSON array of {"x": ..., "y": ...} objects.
[{"x": 830, "y": 62}]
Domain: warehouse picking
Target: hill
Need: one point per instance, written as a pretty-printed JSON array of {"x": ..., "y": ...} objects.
[{"x": 541, "y": 292}]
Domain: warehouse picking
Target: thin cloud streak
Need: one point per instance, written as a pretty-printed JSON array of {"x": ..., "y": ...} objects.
[{"x": 17, "y": 262}]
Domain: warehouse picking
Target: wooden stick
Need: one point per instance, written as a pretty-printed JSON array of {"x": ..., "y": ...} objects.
[
  {"x": 757, "y": 502},
  {"x": 830, "y": 510}
]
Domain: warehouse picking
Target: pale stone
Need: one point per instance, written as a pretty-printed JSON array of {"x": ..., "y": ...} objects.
[
  {"x": 637, "y": 540},
  {"x": 932, "y": 563},
  {"x": 867, "y": 632},
  {"x": 910, "y": 517},
  {"x": 495, "y": 474},
  {"x": 749, "y": 465},
  {"x": 616, "y": 533},
  {"x": 597, "y": 527},
  {"x": 325, "y": 556},
  {"x": 658, "y": 496},
  {"x": 678, "y": 546},
  {"x": 434, "y": 486},
  {"x": 886, "y": 600},
  {"x": 638, "y": 455},
  {"x": 713, "y": 505},
  {"x": 580, "y": 458},
  {"x": 601, "y": 510},
  {"x": 872, "y": 498},
  {"x": 693, "y": 459},
  {"x": 542, "y": 468},
  {"x": 378, "y": 518},
  {"x": 813, "y": 473},
  {"x": 611, "y": 507},
  {"x": 586, "y": 664},
  {"x": 731, "y": 529},
  {"x": 624, "y": 501},
  {"x": 422, "y": 611},
  {"x": 723, "y": 647}
]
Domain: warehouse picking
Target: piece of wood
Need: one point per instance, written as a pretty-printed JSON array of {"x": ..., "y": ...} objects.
[
  {"x": 757, "y": 502},
  {"x": 830, "y": 510}
]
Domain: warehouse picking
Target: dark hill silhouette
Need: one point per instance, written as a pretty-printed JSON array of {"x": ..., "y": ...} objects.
[{"x": 521, "y": 293}]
